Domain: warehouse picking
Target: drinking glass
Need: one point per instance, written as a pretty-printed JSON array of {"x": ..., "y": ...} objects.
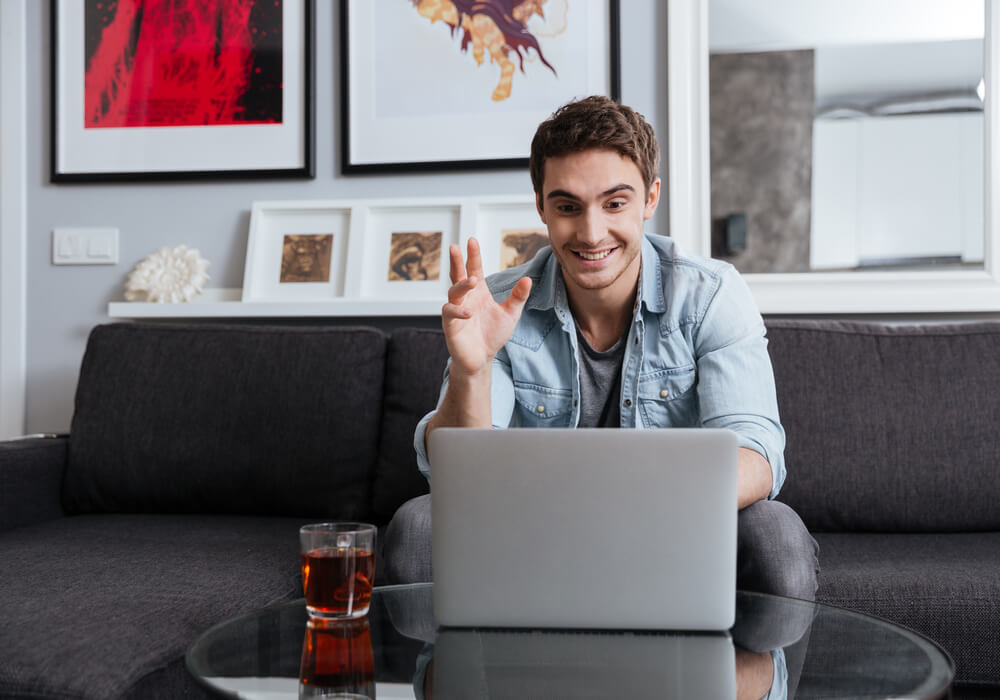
[{"x": 338, "y": 566}]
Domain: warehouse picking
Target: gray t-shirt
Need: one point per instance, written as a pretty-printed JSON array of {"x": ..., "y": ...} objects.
[{"x": 600, "y": 383}]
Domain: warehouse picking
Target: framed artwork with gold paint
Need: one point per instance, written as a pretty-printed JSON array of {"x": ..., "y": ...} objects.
[{"x": 462, "y": 84}]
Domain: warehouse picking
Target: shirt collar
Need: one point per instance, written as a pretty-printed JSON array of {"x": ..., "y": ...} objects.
[
  {"x": 550, "y": 290},
  {"x": 651, "y": 279}
]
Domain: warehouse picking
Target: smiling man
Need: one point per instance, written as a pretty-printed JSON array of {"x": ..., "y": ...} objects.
[{"x": 613, "y": 327}]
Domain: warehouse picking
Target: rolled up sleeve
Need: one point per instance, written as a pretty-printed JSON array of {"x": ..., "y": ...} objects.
[
  {"x": 735, "y": 378},
  {"x": 501, "y": 407}
]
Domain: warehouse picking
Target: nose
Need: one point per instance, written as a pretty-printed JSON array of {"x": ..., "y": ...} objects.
[{"x": 591, "y": 227}]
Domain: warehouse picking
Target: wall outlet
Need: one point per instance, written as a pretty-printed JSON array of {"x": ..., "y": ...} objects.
[{"x": 85, "y": 246}]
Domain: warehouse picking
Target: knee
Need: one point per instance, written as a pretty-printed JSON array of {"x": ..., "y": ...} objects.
[
  {"x": 407, "y": 545},
  {"x": 775, "y": 552}
]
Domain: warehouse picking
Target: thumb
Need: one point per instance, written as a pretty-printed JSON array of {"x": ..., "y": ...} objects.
[{"x": 518, "y": 296}]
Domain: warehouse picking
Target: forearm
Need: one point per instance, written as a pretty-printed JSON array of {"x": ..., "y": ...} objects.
[
  {"x": 466, "y": 403},
  {"x": 754, "y": 480},
  {"x": 754, "y": 674}
]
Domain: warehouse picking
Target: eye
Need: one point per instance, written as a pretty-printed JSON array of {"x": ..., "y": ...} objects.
[
  {"x": 566, "y": 208},
  {"x": 616, "y": 204}
]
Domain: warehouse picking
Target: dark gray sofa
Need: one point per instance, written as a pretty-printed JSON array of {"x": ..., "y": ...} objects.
[{"x": 196, "y": 451}]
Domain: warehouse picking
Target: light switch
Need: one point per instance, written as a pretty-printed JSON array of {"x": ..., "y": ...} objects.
[{"x": 85, "y": 246}]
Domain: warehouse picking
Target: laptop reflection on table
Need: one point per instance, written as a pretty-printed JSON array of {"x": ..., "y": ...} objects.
[{"x": 501, "y": 664}]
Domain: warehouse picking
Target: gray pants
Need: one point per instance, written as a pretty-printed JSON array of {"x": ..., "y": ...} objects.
[{"x": 775, "y": 552}]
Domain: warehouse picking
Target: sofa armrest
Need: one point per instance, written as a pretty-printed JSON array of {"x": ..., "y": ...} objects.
[{"x": 31, "y": 471}]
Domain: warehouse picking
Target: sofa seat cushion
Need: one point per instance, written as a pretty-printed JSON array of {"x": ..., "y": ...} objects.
[
  {"x": 92, "y": 605},
  {"x": 945, "y": 586}
]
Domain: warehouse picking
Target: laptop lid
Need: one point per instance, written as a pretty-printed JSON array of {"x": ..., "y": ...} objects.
[{"x": 584, "y": 528}]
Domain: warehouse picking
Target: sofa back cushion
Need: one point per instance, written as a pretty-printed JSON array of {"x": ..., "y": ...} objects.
[
  {"x": 415, "y": 364},
  {"x": 275, "y": 420},
  {"x": 889, "y": 428}
]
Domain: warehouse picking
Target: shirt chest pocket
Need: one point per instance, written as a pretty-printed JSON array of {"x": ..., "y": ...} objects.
[
  {"x": 667, "y": 398},
  {"x": 544, "y": 407}
]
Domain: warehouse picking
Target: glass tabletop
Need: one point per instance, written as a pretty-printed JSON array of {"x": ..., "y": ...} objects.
[{"x": 778, "y": 648}]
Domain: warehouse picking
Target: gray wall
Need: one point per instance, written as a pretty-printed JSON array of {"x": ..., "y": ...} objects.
[
  {"x": 761, "y": 121},
  {"x": 65, "y": 302}
]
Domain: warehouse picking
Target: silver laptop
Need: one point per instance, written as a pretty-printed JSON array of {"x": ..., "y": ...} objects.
[{"x": 585, "y": 528}]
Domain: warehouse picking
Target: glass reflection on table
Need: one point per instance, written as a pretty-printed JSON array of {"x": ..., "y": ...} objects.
[{"x": 337, "y": 660}]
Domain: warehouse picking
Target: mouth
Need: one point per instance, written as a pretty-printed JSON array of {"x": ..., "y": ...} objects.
[{"x": 594, "y": 255}]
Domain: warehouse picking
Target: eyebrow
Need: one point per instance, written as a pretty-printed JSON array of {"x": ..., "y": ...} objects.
[{"x": 569, "y": 195}]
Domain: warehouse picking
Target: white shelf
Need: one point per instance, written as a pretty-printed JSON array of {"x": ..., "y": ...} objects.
[
  {"x": 359, "y": 283},
  {"x": 225, "y": 303}
]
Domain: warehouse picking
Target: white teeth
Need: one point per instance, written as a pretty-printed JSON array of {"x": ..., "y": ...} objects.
[{"x": 594, "y": 256}]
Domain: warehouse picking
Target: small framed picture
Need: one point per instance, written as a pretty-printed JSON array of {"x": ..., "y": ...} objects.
[
  {"x": 452, "y": 85},
  {"x": 405, "y": 250},
  {"x": 160, "y": 90},
  {"x": 296, "y": 251},
  {"x": 414, "y": 256},
  {"x": 510, "y": 233}
]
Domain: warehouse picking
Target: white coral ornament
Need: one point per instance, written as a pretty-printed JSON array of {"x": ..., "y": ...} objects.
[{"x": 168, "y": 276}]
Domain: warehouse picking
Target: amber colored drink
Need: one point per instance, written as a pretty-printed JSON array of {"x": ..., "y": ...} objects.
[
  {"x": 337, "y": 659},
  {"x": 338, "y": 581}
]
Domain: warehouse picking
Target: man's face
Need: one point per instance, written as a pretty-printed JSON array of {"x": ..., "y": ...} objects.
[{"x": 594, "y": 204}]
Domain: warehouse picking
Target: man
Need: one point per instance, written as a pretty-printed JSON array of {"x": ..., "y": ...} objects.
[{"x": 612, "y": 327}]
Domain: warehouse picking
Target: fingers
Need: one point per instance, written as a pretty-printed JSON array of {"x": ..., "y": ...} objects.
[
  {"x": 475, "y": 264},
  {"x": 451, "y": 312},
  {"x": 457, "y": 271},
  {"x": 457, "y": 291},
  {"x": 514, "y": 304}
]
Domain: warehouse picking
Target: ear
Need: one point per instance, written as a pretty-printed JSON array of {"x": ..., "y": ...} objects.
[{"x": 652, "y": 200}]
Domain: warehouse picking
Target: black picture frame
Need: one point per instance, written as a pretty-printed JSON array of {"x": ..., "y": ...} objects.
[
  {"x": 88, "y": 155},
  {"x": 351, "y": 165}
]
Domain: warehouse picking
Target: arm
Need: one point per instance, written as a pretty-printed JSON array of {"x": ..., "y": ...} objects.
[
  {"x": 756, "y": 674},
  {"x": 754, "y": 480},
  {"x": 736, "y": 387},
  {"x": 475, "y": 327},
  {"x": 31, "y": 471}
]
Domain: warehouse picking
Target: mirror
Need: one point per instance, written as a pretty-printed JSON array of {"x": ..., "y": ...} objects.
[{"x": 846, "y": 135}]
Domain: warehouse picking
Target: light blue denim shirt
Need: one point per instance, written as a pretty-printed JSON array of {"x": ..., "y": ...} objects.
[{"x": 696, "y": 355}]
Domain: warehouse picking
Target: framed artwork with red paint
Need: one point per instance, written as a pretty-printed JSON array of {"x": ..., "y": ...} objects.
[
  {"x": 182, "y": 89},
  {"x": 462, "y": 84}
]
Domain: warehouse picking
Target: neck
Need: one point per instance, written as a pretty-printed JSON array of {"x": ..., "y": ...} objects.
[{"x": 603, "y": 315}]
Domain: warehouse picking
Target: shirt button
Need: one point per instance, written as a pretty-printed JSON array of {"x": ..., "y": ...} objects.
[
  {"x": 664, "y": 393},
  {"x": 628, "y": 403},
  {"x": 541, "y": 408}
]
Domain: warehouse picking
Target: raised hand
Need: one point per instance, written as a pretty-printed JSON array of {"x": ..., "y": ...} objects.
[{"x": 475, "y": 326}]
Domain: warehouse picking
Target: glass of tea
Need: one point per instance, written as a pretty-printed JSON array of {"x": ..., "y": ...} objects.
[{"x": 338, "y": 566}]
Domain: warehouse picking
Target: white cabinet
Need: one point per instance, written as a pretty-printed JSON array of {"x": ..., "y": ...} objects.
[{"x": 897, "y": 187}]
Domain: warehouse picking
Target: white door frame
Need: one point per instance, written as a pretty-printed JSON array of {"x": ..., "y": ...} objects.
[{"x": 13, "y": 216}]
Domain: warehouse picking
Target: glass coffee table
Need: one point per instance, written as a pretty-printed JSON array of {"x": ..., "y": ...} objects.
[{"x": 778, "y": 648}]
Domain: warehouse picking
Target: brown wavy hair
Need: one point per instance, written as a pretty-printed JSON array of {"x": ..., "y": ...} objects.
[{"x": 595, "y": 122}]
